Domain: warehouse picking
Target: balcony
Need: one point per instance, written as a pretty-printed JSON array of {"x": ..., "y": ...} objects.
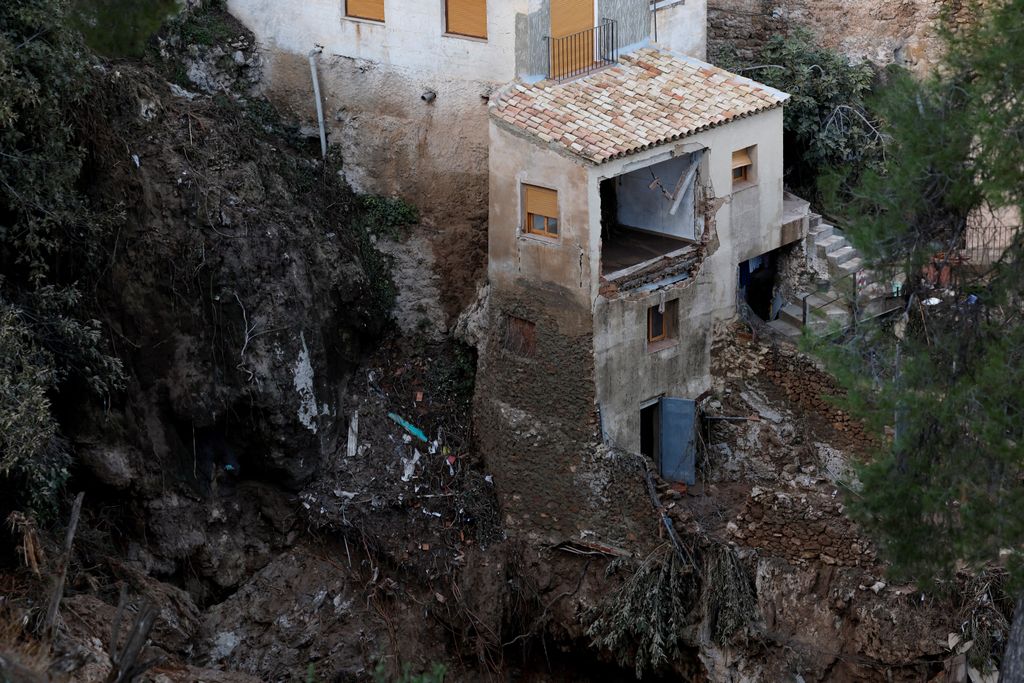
[{"x": 584, "y": 52}]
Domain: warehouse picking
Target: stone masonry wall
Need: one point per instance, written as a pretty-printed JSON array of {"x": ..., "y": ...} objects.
[
  {"x": 881, "y": 31},
  {"x": 537, "y": 428}
]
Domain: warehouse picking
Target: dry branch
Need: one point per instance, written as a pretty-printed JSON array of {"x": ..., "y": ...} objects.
[{"x": 50, "y": 620}]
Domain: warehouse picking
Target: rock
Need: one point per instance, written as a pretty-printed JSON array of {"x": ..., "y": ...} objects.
[
  {"x": 112, "y": 465},
  {"x": 877, "y": 587},
  {"x": 472, "y": 324}
]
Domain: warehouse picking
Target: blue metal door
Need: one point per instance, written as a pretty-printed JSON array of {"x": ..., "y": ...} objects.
[{"x": 678, "y": 440}]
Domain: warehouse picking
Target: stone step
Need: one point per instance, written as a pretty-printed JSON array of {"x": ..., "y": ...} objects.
[
  {"x": 878, "y": 307},
  {"x": 829, "y": 245},
  {"x": 842, "y": 255},
  {"x": 822, "y": 231},
  {"x": 793, "y": 314},
  {"x": 819, "y": 299},
  {"x": 873, "y": 290},
  {"x": 786, "y": 329},
  {"x": 813, "y": 220},
  {"x": 851, "y": 266}
]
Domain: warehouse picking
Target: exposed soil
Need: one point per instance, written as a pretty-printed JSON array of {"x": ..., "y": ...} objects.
[{"x": 292, "y": 480}]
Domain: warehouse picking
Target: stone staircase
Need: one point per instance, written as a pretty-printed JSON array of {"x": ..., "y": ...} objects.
[{"x": 843, "y": 284}]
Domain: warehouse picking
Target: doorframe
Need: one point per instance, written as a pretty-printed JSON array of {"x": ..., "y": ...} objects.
[{"x": 644, "y": 405}]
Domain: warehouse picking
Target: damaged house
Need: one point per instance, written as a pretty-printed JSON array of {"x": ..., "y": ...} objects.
[
  {"x": 626, "y": 208},
  {"x": 633, "y": 193}
]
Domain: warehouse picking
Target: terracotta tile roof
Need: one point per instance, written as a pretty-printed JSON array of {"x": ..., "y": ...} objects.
[{"x": 651, "y": 97}]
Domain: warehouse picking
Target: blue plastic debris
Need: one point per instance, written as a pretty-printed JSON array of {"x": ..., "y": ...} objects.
[{"x": 415, "y": 431}]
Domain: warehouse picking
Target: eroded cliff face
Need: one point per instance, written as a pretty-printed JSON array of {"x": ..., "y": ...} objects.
[
  {"x": 904, "y": 33},
  {"x": 294, "y": 482}
]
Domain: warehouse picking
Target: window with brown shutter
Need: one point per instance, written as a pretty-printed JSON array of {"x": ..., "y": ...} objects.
[
  {"x": 742, "y": 165},
  {"x": 365, "y": 9},
  {"x": 541, "y": 206},
  {"x": 466, "y": 17}
]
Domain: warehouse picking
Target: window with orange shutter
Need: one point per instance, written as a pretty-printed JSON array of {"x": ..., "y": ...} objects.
[
  {"x": 466, "y": 17},
  {"x": 365, "y": 9},
  {"x": 541, "y": 206}
]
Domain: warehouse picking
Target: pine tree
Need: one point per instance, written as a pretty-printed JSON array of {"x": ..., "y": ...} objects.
[{"x": 947, "y": 490}]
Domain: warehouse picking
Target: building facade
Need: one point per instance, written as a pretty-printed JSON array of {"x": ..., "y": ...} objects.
[{"x": 406, "y": 82}]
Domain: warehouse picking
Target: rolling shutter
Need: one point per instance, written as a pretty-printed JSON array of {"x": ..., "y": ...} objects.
[
  {"x": 571, "y": 16},
  {"x": 573, "y": 54},
  {"x": 741, "y": 159},
  {"x": 467, "y": 17},
  {"x": 541, "y": 201},
  {"x": 365, "y": 9}
]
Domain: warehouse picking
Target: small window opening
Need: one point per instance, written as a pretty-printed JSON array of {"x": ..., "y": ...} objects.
[
  {"x": 661, "y": 322},
  {"x": 520, "y": 336},
  {"x": 742, "y": 165},
  {"x": 541, "y": 211}
]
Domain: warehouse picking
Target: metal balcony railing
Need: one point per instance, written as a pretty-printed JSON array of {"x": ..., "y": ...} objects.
[{"x": 581, "y": 53}]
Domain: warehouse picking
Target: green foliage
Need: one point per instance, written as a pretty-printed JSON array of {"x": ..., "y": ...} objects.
[
  {"x": 643, "y": 624},
  {"x": 386, "y": 216},
  {"x": 827, "y": 123},
  {"x": 948, "y": 488},
  {"x": 209, "y": 25},
  {"x": 378, "y": 217},
  {"x": 31, "y": 452},
  {"x": 918, "y": 202},
  {"x": 121, "y": 28},
  {"x": 50, "y": 239}
]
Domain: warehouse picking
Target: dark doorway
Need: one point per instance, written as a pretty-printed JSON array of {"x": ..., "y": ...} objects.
[
  {"x": 757, "y": 284},
  {"x": 650, "y": 431}
]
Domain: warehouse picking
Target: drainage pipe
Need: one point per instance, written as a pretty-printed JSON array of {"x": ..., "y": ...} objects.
[{"x": 319, "y": 103}]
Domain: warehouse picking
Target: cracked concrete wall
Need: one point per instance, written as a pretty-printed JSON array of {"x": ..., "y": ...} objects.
[{"x": 630, "y": 372}]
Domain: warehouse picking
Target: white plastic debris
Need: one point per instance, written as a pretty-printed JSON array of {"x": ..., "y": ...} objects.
[{"x": 409, "y": 465}]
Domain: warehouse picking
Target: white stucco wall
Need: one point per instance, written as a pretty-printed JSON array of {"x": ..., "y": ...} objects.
[
  {"x": 412, "y": 38},
  {"x": 682, "y": 25},
  {"x": 373, "y": 75},
  {"x": 525, "y": 261}
]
